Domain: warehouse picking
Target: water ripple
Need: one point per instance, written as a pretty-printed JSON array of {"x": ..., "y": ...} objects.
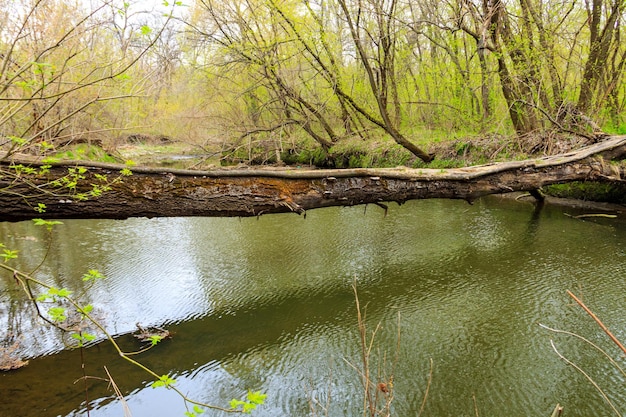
[{"x": 267, "y": 305}]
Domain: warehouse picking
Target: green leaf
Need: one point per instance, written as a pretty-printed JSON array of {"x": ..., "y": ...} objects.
[
  {"x": 64, "y": 293},
  {"x": 164, "y": 381},
  {"x": 25, "y": 85},
  {"x": 88, "y": 337},
  {"x": 196, "y": 410},
  {"x": 17, "y": 140},
  {"x": 57, "y": 314},
  {"x": 96, "y": 190},
  {"x": 145, "y": 30},
  {"x": 92, "y": 274},
  {"x": 8, "y": 254},
  {"x": 235, "y": 403},
  {"x": 47, "y": 223},
  {"x": 45, "y": 145},
  {"x": 54, "y": 293},
  {"x": 83, "y": 337},
  {"x": 126, "y": 172},
  {"x": 154, "y": 339},
  {"x": 256, "y": 397},
  {"x": 41, "y": 208},
  {"x": 42, "y": 67}
]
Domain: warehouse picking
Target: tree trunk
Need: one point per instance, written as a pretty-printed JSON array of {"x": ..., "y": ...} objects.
[
  {"x": 601, "y": 45},
  {"x": 378, "y": 77},
  {"x": 150, "y": 192}
]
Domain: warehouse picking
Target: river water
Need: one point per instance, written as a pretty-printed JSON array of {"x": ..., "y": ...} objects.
[{"x": 266, "y": 304}]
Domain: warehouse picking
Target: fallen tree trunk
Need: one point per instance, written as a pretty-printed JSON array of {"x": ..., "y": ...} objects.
[{"x": 62, "y": 190}]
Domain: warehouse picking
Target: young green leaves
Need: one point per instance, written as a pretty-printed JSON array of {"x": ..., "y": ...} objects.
[
  {"x": 83, "y": 338},
  {"x": 254, "y": 399},
  {"x": 54, "y": 294},
  {"x": 196, "y": 410},
  {"x": 49, "y": 224},
  {"x": 7, "y": 254},
  {"x": 164, "y": 381},
  {"x": 92, "y": 275},
  {"x": 57, "y": 314}
]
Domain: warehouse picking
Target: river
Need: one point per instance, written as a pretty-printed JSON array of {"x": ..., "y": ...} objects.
[{"x": 267, "y": 304}]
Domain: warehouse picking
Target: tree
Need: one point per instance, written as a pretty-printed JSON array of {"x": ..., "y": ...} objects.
[
  {"x": 348, "y": 68},
  {"x": 59, "y": 69},
  {"x": 538, "y": 47},
  {"x": 286, "y": 48},
  {"x": 606, "y": 57},
  {"x": 252, "y": 44},
  {"x": 379, "y": 62}
]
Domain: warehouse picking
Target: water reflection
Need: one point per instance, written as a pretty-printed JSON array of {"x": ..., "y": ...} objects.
[{"x": 266, "y": 304}]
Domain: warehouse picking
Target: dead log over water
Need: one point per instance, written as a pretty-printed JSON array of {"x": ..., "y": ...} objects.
[{"x": 151, "y": 192}]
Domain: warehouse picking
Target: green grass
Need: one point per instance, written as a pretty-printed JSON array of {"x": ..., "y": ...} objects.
[
  {"x": 85, "y": 152},
  {"x": 613, "y": 129}
]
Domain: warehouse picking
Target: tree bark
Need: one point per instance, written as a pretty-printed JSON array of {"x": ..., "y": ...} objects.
[
  {"x": 602, "y": 44},
  {"x": 150, "y": 192}
]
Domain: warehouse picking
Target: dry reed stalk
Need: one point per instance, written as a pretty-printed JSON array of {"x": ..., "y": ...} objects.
[
  {"x": 118, "y": 394},
  {"x": 597, "y": 320}
]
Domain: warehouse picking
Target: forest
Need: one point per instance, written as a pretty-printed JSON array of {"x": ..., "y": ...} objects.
[
  {"x": 336, "y": 83},
  {"x": 396, "y": 100}
]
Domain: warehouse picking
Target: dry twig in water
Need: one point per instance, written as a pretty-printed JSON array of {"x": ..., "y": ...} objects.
[{"x": 597, "y": 320}]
